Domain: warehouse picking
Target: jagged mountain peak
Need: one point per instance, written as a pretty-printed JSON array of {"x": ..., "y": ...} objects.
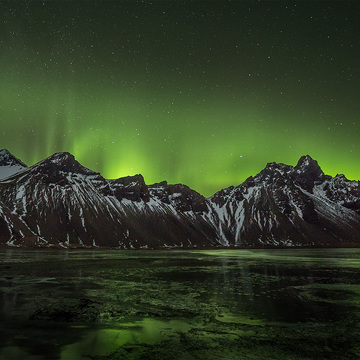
[
  {"x": 9, "y": 164},
  {"x": 58, "y": 202},
  {"x": 8, "y": 159},
  {"x": 341, "y": 177},
  {"x": 306, "y": 158},
  {"x": 65, "y": 162},
  {"x": 61, "y": 156},
  {"x": 130, "y": 187},
  {"x": 275, "y": 166},
  {"x": 132, "y": 179},
  {"x": 57, "y": 168},
  {"x": 180, "y": 196},
  {"x": 5, "y": 153},
  {"x": 271, "y": 172},
  {"x": 307, "y": 163},
  {"x": 308, "y": 172}
]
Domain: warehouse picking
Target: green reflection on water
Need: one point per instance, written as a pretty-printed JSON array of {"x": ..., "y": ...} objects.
[
  {"x": 105, "y": 342},
  {"x": 100, "y": 342},
  {"x": 301, "y": 304},
  {"x": 335, "y": 257}
]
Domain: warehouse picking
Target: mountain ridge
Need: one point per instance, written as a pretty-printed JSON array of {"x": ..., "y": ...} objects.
[
  {"x": 9, "y": 164},
  {"x": 58, "y": 202}
]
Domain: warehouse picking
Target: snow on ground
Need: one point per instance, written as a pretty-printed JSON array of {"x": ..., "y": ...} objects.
[{"x": 6, "y": 171}]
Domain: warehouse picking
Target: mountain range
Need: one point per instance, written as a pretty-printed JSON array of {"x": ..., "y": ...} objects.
[{"x": 60, "y": 203}]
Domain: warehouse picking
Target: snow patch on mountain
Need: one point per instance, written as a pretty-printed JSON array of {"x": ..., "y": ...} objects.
[
  {"x": 9, "y": 164},
  {"x": 7, "y": 171},
  {"x": 60, "y": 202}
]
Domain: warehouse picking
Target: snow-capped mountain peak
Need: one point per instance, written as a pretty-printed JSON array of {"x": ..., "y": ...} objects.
[
  {"x": 64, "y": 162},
  {"x": 59, "y": 202},
  {"x": 8, "y": 159},
  {"x": 307, "y": 173},
  {"x": 309, "y": 165},
  {"x": 9, "y": 164}
]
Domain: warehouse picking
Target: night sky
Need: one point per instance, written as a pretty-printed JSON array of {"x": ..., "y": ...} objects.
[{"x": 199, "y": 92}]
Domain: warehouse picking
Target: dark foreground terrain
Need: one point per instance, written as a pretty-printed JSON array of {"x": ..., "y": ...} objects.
[{"x": 217, "y": 304}]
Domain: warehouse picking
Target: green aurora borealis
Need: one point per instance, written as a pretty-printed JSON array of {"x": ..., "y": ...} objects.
[{"x": 199, "y": 92}]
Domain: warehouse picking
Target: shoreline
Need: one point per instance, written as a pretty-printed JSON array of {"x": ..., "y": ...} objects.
[{"x": 176, "y": 248}]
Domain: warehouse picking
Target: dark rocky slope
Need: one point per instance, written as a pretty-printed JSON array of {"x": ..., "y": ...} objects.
[{"x": 58, "y": 202}]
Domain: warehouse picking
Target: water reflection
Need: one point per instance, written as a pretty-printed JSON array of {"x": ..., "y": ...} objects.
[
  {"x": 179, "y": 304},
  {"x": 105, "y": 342}
]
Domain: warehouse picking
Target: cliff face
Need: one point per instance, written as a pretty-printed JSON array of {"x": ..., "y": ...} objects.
[
  {"x": 58, "y": 202},
  {"x": 285, "y": 205}
]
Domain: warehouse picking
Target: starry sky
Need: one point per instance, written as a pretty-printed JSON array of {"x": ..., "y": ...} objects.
[{"x": 199, "y": 92}]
